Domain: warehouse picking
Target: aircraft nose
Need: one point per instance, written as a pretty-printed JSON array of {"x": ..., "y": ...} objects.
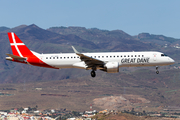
[{"x": 171, "y": 60}]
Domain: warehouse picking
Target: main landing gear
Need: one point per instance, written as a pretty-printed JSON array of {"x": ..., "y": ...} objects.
[
  {"x": 93, "y": 73},
  {"x": 157, "y": 72}
]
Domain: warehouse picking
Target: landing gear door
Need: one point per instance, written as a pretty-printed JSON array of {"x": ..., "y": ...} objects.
[{"x": 154, "y": 56}]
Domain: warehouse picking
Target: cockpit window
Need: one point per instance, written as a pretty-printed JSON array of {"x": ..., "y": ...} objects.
[{"x": 163, "y": 55}]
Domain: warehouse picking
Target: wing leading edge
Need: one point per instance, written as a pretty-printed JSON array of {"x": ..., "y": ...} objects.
[{"x": 89, "y": 61}]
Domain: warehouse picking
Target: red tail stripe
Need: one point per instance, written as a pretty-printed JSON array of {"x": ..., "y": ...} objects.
[
  {"x": 10, "y": 38},
  {"x": 13, "y": 38},
  {"x": 20, "y": 49},
  {"x": 17, "y": 39},
  {"x": 25, "y": 51},
  {"x": 14, "y": 51}
]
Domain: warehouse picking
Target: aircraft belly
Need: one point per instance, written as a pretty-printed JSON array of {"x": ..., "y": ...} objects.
[
  {"x": 145, "y": 64},
  {"x": 137, "y": 65},
  {"x": 61, "y": 64}
]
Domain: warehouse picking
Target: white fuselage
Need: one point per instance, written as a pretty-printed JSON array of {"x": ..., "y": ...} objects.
[
  {"x": 125, "y": 59},
  {"x": 106, "y": 61}
]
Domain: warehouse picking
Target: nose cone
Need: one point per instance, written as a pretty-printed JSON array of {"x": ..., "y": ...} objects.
[{"x": 171, "y": 61}]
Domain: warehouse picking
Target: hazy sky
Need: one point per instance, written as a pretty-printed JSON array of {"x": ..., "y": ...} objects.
[{"x": 131, "y": 16}]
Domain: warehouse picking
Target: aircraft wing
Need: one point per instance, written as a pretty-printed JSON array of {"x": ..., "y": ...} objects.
[
  {"x": 16, "y": 57},
  {"x": 90, "y": 62}
]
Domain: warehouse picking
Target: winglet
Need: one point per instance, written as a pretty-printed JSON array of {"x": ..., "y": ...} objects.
[{"x": 75, "y": 50}]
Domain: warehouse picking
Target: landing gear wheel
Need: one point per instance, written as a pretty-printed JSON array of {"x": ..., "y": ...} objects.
[
  {"x": 93, "y": 74},
  {"x": 157, "y": 72}
]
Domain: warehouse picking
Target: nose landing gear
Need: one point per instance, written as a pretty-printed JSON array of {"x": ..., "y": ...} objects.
[{"x": 157, "y": 72}]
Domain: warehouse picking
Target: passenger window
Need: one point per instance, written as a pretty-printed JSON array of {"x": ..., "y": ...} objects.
[
  {"x": 135, "y": 55},
  {"x": 118, "y": 56},
  {"x": 124, "y": 55},
  {"x": 142, "y": 55},
  {"x": 46, "y": 57},
  {"x": 138, "y": 55},
  {"x": 98, "y": 56},
  {"x": 131, "y": 55},
  {"x": 121, "y": 55},
  {"x": 64, "y": 57},
  {"x": 107, "y": 56},
  {"x": 114, "y": 56},
  {"x": 128, "y": 55},
  {"x": 102, "y": 56}
]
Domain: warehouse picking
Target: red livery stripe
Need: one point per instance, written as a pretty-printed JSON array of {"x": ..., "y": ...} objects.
[
  {"x": 10, "y": 38},
  {"x": 20, "y": 49}
]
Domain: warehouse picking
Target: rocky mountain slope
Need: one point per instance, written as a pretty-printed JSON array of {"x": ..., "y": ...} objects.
[{"x": 60, "y": 39}]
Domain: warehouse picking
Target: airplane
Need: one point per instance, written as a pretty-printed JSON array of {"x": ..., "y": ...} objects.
[{"x": 109, "y": 62}]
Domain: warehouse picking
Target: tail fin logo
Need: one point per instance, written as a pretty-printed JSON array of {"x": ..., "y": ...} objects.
[
  {"x": 14, "y": 44},
  {"x": 22, "y": 54},
  {"x": 17, "y": 46}
]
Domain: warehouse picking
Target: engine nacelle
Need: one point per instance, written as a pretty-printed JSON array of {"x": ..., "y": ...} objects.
[{"x": 112, "y": 67}]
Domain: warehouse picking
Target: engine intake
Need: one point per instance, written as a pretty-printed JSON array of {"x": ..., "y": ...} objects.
[{"x": 112, "y": 67}]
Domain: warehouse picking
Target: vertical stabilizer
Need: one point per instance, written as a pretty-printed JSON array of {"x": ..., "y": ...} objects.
[
  {"x": 18, "y": 47},
  {"x": 22, "y": 54}
]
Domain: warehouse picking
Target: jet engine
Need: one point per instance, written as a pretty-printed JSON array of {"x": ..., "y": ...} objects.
[{"x": 111, "y": 67}]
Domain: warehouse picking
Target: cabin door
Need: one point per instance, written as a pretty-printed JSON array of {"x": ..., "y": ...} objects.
[{"x": 154, "y": 56}]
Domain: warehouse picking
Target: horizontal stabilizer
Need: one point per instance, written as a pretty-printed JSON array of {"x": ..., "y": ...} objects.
[{"x": 16, "y": 57}]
